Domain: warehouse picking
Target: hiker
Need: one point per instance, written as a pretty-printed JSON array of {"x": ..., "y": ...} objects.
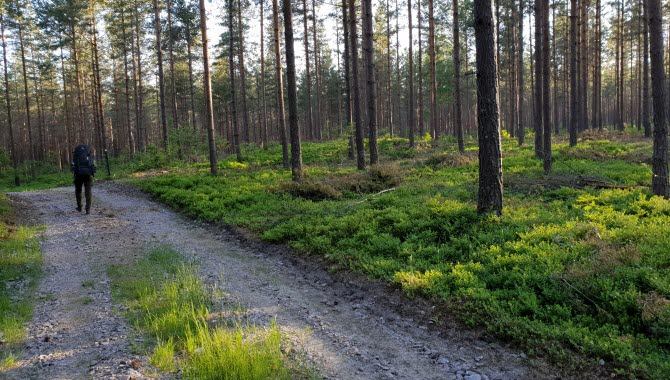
[{"x": 83, "y": 168}]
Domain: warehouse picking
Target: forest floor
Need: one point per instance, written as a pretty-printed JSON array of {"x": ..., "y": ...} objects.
[{"x": 348, "y": 327}]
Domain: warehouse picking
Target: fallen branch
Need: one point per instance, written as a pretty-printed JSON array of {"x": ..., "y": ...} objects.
[{"x": 372, "y": 196}]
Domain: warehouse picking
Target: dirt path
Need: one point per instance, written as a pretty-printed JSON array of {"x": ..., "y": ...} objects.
[{"x": 350, "y": 329}]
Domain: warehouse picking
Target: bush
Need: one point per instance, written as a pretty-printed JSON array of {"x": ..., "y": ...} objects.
[
  {"x": 456, "y": 160},
  {"x": 312, "y": 190}
]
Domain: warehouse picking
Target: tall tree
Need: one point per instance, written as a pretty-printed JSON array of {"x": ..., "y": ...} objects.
[
  {"x": 10, "y": 126},
  {"x": 411, "y": 111},
  {"x": 572, "y": 128},
  {"x": 243, "y": 70},
  {"x": 546, "y": 96},
  {"x": 207, "y": 84},
  {"x": 457, "y": 80},
  {"x": 264, "y": 120},
  {"x": 660, "y": 184},
  {"x": 233, "y": 90},
  {"x": 173, "y": 98},
  {"x": 309, "y": 117},
  {"x": 161, "y": 77},
  {"x": 539, "y": 141},
  {"x": 368, "y": 57},
  {"x": 296, "y": 150},
  {"x": 646, "y": 122},
  {"x": 488, "y": 112},
  {"x": 433, "y": 77},
  {"x": 358, "y": 125},
  {"x": 520, "y": 108},
  {"x": 280, "y": 86}
]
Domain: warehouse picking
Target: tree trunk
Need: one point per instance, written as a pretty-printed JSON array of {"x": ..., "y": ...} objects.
[
  {"x": 139, "y": 124},
  {"x": 660, "y": 185},
  {"x": 10, "y": 126},
  {"x": 189, "y": 42},
  {"x": 296, "y": 151},
  {"x": 101, "y": 109},
  {"x": 645, "y": 74},
  {"x": 358, "y": 125},
  {"x": 368, "y": 57},
  {"x": 488, "y": 112},
  {"x": 457, "y": 81},
  {"x": 318, "y": 121},
  {"x": 573, "y": 74},
  {"x": 209, "y": 109},
  {"x": 595, "y": 114},
  {"x": 129, "y": 127},
  {"x": 264, "y": 120},
  {"x": 410, "y": 109},
  {"x": 25, "y": 92},
  {"x": 538, "y": 81},
  {"x": 231, "y": 64},
  {"x": 420, "y": 96},
  {"x": 243, "y": 82},
  {"x": 173, "y": 100},
  {"x": 520, "y": 118},
  {"x": 161, "y": 78},
  {"x": 433, "y": 80},
  {"x": 309, "y": 125},
  {"x": 280, "y": 86},
  {"x": 546, "y": 96},
  {"x": 347, "y": 77}
]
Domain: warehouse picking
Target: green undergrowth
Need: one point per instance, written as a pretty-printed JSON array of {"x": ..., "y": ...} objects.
[
  {"x": 567, "y": 269},
  {"x": 20, "y": 268},
  {"x": 190, "y": 328}
]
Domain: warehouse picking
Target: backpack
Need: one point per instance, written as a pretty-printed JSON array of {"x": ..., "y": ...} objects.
[{"x": 82, "y": 164}]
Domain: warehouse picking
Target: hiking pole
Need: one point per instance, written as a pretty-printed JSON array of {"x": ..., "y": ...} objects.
[{"x": 109, "y": 173}]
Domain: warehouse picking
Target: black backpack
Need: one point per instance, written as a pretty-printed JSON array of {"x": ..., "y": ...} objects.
[{"x": 82, "y": 163}]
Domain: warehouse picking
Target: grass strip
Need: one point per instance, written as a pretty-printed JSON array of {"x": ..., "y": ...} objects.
[{"x": 182, "y": 319}]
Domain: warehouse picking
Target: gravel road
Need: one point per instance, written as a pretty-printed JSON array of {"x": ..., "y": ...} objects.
[{"x": 349, "y": 327}]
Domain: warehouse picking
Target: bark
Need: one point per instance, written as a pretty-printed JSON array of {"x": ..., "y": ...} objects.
[
  {"x": 231, "y": 63},
  {"x": 347, "y": 77},
  {"x": 420, "y": 121},
  {"x": 410, "y": 109},
  {"x": 209, "y": 109},
  {"x": 129, "y": 127},
  {"x": 368, "y": 57},
  {"x": 538, "y": 81},
  {"x": 173, "y": 99},
  {"x": 433, "y": 79},
  {"x": 161, "y": 78},
  {"x": 546, "y": 96},
  {"x": 280, "y": 86},
  {"x": 25, "y": 91},
  {"x": 100, "y": 106},
  {"x": 309, "y": 118},
  {"x": 358, "y": 125},
  {"x": 296, "y": 151},
  {"x": 645, "y": 74},
  {"x": 318, "y": 121},
  {"x": 595, "y": 104},
  {"x": 264, "y": 119},
  {"x": 457, "y": 81},
  {"x": 10, "y": 125},
  {"x": 660, "y": 185},
  {"x": 572, "y": 129},
  {"x": 520, "y": 119},
  {"x": 488, "y": 112},
  {"x": 139, "y": 123},
  {"x": 243, "y": 81},
  {"x": 191, "y": 88}
]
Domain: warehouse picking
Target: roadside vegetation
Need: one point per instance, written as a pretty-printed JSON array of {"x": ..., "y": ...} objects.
[
  {"x": 189, "y": 327},
  {"x": 20, "y": 268},
  {"x": 577, "y": 264},
  {"x": 576, "y": 268}
]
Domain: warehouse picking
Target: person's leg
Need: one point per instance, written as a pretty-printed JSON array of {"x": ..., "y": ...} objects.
[
  {"x": 88, "y": 183},
  {"x": 77, "y": 191}
]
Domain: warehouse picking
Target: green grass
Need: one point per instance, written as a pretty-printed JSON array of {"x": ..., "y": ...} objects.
[
  {"x": 168, "y": 303},
  {"x": 20, "y": 268},
  {"x": 565, "y": 270}
]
